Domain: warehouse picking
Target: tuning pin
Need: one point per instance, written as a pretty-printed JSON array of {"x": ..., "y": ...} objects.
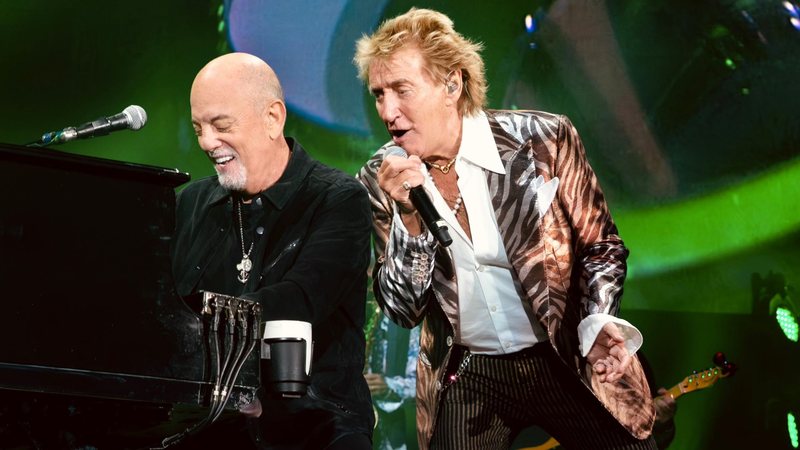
[{"x": 719, "y": 358}]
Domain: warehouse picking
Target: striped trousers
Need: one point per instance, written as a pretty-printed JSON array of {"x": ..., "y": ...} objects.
[{"x": 494, "y": 397}]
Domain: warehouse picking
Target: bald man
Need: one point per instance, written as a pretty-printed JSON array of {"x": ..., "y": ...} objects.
[{"x": 278, "y": 227}]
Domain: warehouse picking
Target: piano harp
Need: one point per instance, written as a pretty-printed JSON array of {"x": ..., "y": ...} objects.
[{"x": 94, "y": 340}]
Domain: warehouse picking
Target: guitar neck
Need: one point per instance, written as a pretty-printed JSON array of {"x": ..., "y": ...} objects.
[
  {"x": 675, "y": 391},
  {"x": 696, "y": 381}
]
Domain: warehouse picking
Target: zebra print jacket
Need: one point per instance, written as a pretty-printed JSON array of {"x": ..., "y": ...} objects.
[{"x": 570, "y": 262}]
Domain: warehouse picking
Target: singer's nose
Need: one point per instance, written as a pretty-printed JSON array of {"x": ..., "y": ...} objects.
[{"x": 389, "y": 109}]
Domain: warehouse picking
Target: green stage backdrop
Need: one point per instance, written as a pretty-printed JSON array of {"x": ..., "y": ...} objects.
[{"x": 688, "y": 111}]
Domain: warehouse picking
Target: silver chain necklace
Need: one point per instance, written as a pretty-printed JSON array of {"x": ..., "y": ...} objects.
[{"x": 245, "y": 265}]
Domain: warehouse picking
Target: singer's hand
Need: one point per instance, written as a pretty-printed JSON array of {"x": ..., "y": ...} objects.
[
  {"x": 608, "y": 356},
  {"x": 394, "y": 176}
]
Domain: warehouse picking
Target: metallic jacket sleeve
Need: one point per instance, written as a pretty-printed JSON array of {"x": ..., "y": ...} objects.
[
  {"x": 403, "y": 263},
  {"x": 599, "y": 251}
]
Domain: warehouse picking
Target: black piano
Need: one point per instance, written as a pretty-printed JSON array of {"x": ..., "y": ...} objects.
[{"x": 95, "y": 345}]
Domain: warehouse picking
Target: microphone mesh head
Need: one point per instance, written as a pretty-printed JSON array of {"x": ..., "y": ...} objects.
[
  {"x": 136, "y": 115},
  {"x": 395, "y": 150}
]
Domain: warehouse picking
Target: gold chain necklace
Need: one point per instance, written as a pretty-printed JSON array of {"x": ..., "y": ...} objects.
[{"x": 444, "y": 168}]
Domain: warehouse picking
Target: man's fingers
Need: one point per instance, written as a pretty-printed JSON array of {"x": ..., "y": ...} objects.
[
  {"x": 614, "y": 372},
  {"x": 397, "y": 176},
  {"x": 618, "y": 351},
  {"x": 624, "y": 362},
  {"x": 614, "y": 334},
  {"x": 599, "y": 367},
  {"x": 615, "y": 338},
  {"x": 611, "y": 369}
]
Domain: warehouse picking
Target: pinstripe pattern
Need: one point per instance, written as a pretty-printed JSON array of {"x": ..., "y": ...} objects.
[
  {"x": 569, "y": 263},
  {"x": 497, "y": 396}
]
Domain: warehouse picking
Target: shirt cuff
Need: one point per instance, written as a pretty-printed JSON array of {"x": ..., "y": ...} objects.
[{"x": 590, "y": 327}]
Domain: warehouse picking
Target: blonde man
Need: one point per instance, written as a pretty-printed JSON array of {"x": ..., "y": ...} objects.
[{"x": 519, "y": 312}]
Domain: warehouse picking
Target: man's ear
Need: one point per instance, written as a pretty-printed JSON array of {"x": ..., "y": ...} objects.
[
  {"x": 276, "y": 118},
  {"x": 453, "y": 86}
]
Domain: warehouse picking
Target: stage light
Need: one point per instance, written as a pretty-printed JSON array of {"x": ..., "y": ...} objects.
[
  {"x": 794, "y": 14},
  {"x": 785, "y": 311},
  {"x": 787, "y": 321},
  {"x": 530, "y": 24},
  {"x": 791, "y": 8},
  {"x": 222, "y": 28},
  {"x": 780, "y": 304},
  {"x": 792, "y": 425}
]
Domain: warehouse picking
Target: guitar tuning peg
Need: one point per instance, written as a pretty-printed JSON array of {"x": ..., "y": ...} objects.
[
  {"x": 729, "y": 368},
  {"x": 719, "y": 358}
]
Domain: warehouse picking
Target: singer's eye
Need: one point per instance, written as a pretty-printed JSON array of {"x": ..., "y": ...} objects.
[{"x": 404, "y": 92}]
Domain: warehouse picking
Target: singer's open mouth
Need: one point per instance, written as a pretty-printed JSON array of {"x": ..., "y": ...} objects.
[{"x": 397, "y": 133}]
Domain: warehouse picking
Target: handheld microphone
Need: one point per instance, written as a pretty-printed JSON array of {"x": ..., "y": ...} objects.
[
  {"x": 424, "y": 206},
  {"x": 133, "y": 117}
]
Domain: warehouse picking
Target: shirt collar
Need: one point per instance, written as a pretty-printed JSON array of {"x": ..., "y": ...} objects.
[
  {"x": 284, "y": 189},
  {"x": 478, "y": 145}
]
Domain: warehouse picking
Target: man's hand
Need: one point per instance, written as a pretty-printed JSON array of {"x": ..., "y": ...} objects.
[
  {"x": 609, "y": 357},
  {"x": 396, "y": 177},
  {"x": 377, "y": 385},
  {"x": 665, "y": 406}
]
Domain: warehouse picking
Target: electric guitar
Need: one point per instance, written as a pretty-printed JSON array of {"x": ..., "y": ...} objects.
[{"x": 696, "y": 381}]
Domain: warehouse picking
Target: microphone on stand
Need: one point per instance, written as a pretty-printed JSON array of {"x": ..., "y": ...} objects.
[
  {"x": 424, "y": 206},
  {"x": 133, "y": 117}
]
